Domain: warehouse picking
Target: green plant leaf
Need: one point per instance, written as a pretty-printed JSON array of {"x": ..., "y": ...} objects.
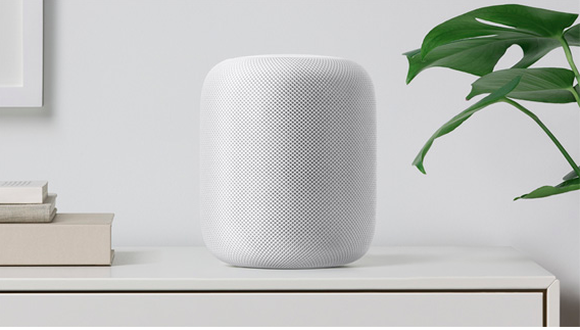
[
  {"x": 550, "y": 85},
  {"x": 448, "y": 127},
  {"x": 570, "y": 176},
  {"x": 495, "y": 20},
  {"x": 545, "y": 191},
  {"x": 475, "y": 41},
  {"x": 572, "y": 35}
]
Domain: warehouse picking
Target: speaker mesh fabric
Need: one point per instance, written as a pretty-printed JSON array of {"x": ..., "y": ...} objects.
[{"x": 288, "y": 161}]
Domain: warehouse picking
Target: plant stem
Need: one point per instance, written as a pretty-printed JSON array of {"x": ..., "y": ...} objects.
[
  {"x": 547, "y": 131},
  {"x": 569, "y": 57}
]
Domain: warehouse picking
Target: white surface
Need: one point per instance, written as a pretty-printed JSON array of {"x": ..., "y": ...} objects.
[
  {"x": 553, "y": 304},
  {"x": 207, "y": 292},
  {"x": 26, "y": 89},
  {"x": 383, "y": 268},
  {"x": 10, "y": 43},
  {"x": 273, "y": 309},
  {"x": 119, "y": 131}
]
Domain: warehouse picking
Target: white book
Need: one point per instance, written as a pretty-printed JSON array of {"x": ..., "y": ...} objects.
[{"x": 23, "y": 192}]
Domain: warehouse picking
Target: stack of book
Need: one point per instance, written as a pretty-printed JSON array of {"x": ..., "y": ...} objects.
[{"x": 33, "y": 233}]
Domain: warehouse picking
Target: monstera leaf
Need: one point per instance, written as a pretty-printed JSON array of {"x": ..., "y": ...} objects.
[
  {"x": 475, "y": 41},
  {"x": 550, "y": 85},
  {"x": 448, "y": 127},
  {"x": 545, "y": 191},
  {"x": 572, "y": 35},
  {"x": 570, "y": 176}
]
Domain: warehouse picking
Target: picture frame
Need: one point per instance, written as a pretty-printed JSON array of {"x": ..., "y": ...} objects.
[{"x": 23, "y": 84}]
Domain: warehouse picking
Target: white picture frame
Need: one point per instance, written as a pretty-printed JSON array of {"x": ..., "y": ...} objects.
[{"x": 29, "y": 92}]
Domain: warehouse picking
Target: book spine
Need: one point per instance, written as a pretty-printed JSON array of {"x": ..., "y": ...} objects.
[{"x": 44, "y": 192}]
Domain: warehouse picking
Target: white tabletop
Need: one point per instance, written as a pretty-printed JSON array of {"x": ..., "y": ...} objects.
[{"x": 382, "y": 268}]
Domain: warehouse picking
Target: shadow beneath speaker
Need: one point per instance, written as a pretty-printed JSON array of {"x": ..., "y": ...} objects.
[
  {"x": 369, "y": 260},
  {"x": 382, "y": 260}
]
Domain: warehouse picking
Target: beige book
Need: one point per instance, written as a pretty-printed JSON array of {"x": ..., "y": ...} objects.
[
  {"x": 44, "y": 212},
  {"x": 23, "y": 192},
  {"x": 70, "y": 239}
]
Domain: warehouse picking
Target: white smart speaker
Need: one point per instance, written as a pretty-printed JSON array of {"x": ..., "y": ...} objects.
[{"x": 288, "y": 161}]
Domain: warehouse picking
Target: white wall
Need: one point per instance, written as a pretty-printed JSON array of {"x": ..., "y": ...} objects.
[{"x": 119, "y": 129}]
